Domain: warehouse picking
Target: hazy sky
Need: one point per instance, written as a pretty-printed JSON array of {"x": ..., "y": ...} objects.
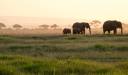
[{"x": 71, "y": 9}]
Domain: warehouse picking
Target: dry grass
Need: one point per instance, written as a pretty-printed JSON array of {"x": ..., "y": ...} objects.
[{"x": 40, "y": 54}]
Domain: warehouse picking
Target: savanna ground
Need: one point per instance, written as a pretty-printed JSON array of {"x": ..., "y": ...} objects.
[{"x": 63, "y": 54}]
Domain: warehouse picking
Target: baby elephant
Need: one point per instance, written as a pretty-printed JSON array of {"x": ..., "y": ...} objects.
[{"x": 66, "y": 31}]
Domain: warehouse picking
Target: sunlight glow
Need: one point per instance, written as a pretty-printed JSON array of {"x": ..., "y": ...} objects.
[{"x": 71, "y": 9}]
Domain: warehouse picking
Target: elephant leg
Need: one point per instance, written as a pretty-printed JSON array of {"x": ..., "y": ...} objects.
[
  {"x": 115, "y": 31},
  {"x": 121, "y": 30},
  {"x": 78, "y": 32},
  {"x": 83, "y": 32},
  {"x": 108, "y": 31},
  {"x": 104, "y": 31},
  {"x": 74, "y": 32},
  {"x": 90, "y": 31}
]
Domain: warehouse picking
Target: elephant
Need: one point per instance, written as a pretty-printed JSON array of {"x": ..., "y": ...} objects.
[
  {"x": 112, "y": 25},
  {"x": 79, "y": 28},
  {"x": 66, "y": 31},
  {"x": 76, "y": 30}
]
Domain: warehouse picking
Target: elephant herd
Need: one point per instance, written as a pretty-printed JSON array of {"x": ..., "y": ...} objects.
[{"x": 79, "y": 28}]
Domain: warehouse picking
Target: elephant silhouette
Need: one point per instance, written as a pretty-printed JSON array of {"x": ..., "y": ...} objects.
[
  {"x": 79, "y": 28},
  {"x": 112, "y": 25},
  {"x": 66, "y": 31}
]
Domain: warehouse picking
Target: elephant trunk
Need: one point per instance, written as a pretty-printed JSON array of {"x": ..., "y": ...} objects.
[
  {"x": 121, "y": 30},
  {"x": 90, "y": 30}
]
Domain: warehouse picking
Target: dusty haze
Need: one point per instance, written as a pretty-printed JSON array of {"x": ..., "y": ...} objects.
[{"x": 32, "y": 13}]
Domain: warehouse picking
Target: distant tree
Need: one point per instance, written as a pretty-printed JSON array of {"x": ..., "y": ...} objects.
[
  {"x": 17, "y": 26},
  {"x": 125, "y": 24},
  {"x": 44, "y": 26},
  {"x": 9, "y": 28},
  {"x": 54, "y": 26},
  {"x": 2, "y": 25},
  {"x": 69, "y": 26},
  {"x": 95, "y": 23}
]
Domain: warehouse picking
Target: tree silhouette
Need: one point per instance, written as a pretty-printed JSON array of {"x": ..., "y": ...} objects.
[
  {"x": 2, "y": 25},
  {"x": 95, "y": 23},
  {"x": 54, "y": 26},
  {"x": 17, "y": 26},
  {"x": 125, "y": 24},
  {"x": 44, "y": 26}
]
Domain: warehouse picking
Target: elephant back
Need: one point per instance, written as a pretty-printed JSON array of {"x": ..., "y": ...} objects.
[
  {"x": 85, "y": 25},
  {"x": 76, "y": 25}
]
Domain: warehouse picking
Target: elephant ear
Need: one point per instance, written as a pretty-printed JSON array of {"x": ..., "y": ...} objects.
[
  {"x": 87, "y": 25},
  {"x": 83, "y": 25},
  {"x": 119, "y": 24}
]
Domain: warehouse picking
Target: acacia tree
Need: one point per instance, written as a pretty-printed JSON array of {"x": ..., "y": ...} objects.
[
  {"x": 17, "y": 26},
  {"x": 54, "y": 26},
  {"x": 95, "y": 23},
  {"x": 2, "y": 25},
  {"x": 44, "y": 26},
  {"x": 125, "y": 24}
]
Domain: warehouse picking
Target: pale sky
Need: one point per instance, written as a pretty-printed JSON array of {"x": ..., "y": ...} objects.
[{"x": 71, "y": 9}]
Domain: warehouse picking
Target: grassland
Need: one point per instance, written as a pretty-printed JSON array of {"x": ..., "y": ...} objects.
[{"x": 64, "y": 55}]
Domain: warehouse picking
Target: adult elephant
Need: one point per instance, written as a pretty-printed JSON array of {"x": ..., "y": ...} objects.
[
  {"x": 79, "y": 28},
  {"x": 112, "y": 25},
  {"x": 66, "y": 31}
]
